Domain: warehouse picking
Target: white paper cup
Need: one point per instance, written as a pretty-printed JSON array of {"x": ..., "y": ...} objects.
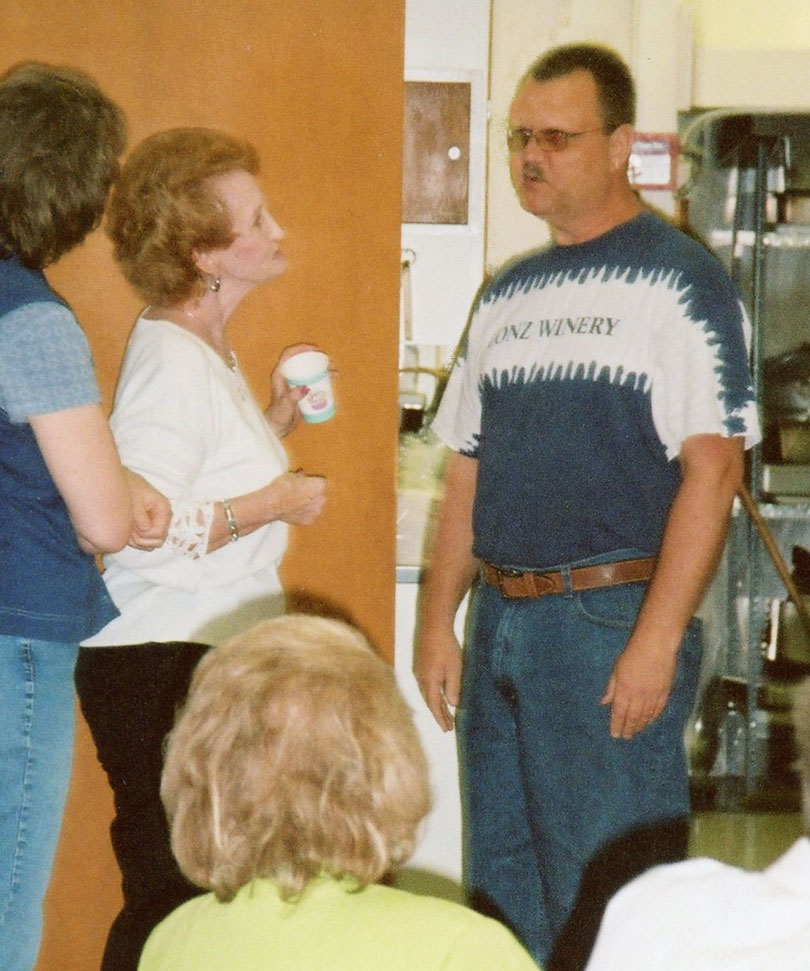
[{"x": 312, "y": 369}]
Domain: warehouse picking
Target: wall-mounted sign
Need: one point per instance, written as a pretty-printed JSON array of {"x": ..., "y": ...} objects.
[{"x": 653, "y": 161}]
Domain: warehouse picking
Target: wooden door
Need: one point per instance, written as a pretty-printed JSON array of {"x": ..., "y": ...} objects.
[{"x": 318, "y": 89}]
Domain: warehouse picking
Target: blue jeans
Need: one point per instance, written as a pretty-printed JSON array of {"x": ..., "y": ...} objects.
[
  {"x": 557, "y": 814},
  {"x": 36, "y": 753}
]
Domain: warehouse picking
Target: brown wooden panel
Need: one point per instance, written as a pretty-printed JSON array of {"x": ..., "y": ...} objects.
[
  {"x": 436, "y": 152},
  {"x": 313, "y": 92},
  {"x": 85, "y": 891}
]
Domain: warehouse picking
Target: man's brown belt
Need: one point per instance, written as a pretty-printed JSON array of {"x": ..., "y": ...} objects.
[{"x": 514, "y": 584}]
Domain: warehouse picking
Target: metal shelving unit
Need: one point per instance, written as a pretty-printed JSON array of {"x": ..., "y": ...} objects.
[{"x": 742, "y": 166}]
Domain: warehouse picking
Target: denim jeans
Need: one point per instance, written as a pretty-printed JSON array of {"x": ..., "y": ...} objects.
[
  {"x": 36, "y": 754},
  {"x": 557, "y": 814}
]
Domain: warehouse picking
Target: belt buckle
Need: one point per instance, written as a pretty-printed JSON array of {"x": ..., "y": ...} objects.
[{"x": 506, "y": 573}]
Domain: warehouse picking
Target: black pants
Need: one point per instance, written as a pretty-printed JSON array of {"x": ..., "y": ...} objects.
[{"x": 129, "y": 697}]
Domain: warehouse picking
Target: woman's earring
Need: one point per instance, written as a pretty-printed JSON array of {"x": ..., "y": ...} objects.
[{"x": 215, "y": 284}]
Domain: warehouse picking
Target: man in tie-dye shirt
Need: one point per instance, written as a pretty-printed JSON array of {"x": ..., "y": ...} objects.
[{"x": 598, "y": 413}]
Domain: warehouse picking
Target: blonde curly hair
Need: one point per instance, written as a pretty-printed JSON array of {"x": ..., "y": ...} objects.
[{"x": 294, "y": 755}]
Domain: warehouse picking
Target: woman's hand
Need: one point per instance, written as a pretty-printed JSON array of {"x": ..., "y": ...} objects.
[
  {"x": 152, "y": 514},
  {"x": 297, "y": 498},
  {"x": 283, "y": 412},
  {"x": 291, "y": 498}
]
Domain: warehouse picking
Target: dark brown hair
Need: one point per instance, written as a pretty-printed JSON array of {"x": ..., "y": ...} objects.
[
  {"x": 60, "y": 139},
  {"x": 163, "y": 211},
  {"x": 614, "y": 82}
]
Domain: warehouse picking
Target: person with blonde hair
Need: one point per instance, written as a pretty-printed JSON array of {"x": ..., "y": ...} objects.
[{"x": 294, "y": 782}]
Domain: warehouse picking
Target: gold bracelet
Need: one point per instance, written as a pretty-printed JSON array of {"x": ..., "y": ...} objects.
[{"x": 233, "y": 529}]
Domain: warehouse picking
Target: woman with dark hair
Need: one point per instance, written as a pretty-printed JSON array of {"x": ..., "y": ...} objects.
[
  {"x": 294, "y": 783},
  {"x": 63, "y": 492},
  {"x": 193, "y": 235}
]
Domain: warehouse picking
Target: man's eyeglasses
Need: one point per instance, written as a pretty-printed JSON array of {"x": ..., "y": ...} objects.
[{"x": 547, "y": 139}]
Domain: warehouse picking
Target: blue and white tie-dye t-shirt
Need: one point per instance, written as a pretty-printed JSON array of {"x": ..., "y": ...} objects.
[{"x": 584, "y": 370}]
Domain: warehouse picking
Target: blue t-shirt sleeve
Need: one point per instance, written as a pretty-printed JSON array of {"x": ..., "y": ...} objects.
[{"x": 45, "y": 362}]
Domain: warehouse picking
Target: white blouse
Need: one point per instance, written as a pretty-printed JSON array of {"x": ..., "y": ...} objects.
[{"x": 191, "y": 427}]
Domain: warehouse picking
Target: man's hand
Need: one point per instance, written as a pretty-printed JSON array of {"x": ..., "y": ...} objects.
[
  {"x": 151, "y": 514},
  {"x": 437, "y": 657},
  {"x": 437, "y": 666},
  {"x": 638, "y": 689}
]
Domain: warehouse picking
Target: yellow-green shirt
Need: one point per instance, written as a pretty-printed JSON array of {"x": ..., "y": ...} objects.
[{"x": 332, "y": 927}]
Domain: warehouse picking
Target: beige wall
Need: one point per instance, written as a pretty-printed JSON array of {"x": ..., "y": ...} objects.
[
  {"x": 317, "y": 88},
  {"x": 752, "y": 24},
  {"x": 652, "y": 35},
  {"x": 751, "y": 53}
]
